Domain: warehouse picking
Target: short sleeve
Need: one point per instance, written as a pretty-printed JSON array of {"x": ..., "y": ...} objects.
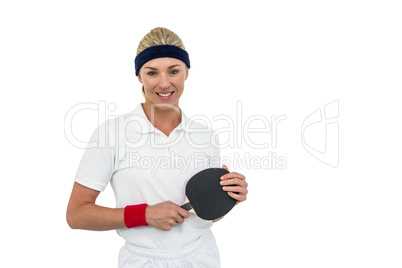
[{"x": 97, "y": 164}]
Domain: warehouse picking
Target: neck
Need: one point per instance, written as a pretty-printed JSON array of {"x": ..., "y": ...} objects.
[{"x": 165, "y": 118}]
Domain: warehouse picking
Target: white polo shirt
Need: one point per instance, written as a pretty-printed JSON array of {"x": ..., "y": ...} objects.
[{"x": 143, "y": 165}]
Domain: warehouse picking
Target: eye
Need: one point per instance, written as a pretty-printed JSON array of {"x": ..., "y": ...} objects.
[
  {"x": 151, "y": 73},
  {"x": 174, "y": 71}
]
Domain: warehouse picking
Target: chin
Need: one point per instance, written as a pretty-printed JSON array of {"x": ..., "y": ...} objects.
[{"x": 165, "y": 105}]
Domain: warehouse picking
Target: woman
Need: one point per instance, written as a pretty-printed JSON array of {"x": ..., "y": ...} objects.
[{"x": 147, "y": 156}]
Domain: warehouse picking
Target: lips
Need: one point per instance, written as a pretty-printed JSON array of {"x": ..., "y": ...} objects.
[{"x": 165, "y": 95}]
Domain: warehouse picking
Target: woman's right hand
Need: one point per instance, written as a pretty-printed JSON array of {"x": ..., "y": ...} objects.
[{"x": 165, "y": 215}]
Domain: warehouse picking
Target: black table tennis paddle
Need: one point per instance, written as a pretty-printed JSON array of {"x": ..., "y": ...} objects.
[{"x": 205, "y": 196}]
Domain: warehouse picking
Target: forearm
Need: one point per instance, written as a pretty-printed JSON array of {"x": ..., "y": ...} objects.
[{"x": 90, "y": 216}]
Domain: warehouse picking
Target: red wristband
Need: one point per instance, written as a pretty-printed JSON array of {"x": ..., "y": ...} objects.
[{"x": 134, "y": 215}]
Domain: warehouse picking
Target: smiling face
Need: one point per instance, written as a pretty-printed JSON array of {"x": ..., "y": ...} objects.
[{"x": 163, "y": 80}]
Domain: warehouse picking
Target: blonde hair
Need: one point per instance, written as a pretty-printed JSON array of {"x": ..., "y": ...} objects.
[{"x": 159, "y": 36}]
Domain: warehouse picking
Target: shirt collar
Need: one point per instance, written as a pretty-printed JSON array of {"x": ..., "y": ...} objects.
[{"x": 147, "y": 127}]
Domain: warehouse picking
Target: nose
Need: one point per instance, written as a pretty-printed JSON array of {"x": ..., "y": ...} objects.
[{"x": 164, "y": 81}]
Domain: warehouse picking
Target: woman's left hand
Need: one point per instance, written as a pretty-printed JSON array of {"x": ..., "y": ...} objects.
[{"x": 235, "y": 184}]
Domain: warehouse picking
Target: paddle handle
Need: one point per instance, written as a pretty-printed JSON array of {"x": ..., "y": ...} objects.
[{"x": 187, "y": 206}]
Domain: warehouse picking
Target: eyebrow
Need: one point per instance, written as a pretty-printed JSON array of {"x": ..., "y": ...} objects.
[{"x": 170, "y": 67}]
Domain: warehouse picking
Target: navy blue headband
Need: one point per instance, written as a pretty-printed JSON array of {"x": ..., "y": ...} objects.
[{"x": 160, "y": 52}]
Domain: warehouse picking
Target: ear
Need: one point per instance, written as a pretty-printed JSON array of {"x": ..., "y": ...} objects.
[
  {"x": 186, "y": 74},
  {"x": 139, "y": 79}
]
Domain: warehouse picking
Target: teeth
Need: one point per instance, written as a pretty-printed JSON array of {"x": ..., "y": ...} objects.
[{"x": 165, "y": 95}]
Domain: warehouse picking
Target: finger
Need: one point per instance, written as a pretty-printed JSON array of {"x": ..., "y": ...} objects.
[
  {"x": 238, "y": 197},
  {"x": 225, "y": 167},
  {"x": 184, "y": 213},
  {"x": 179, "y": 219},
  {"x": 235, "y": 181},
  {"x": 235, "y": 189},
  {"x": 166, "y": 227},
  {"x": 233, "y": 175},
  {"x": 173, "y": 222}
]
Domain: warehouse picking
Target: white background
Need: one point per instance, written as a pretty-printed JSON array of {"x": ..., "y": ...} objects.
[{"x": 275, "y": 57}]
